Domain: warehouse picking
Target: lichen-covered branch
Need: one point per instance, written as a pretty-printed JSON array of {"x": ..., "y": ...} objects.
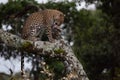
[{"x": 59, "y": 50}]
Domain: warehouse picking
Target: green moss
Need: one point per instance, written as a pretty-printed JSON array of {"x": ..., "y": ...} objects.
[
  {"x": 58, "y": 51},
  {"x": 12, "y": 78},
  {"x": 26, "y": 44}
]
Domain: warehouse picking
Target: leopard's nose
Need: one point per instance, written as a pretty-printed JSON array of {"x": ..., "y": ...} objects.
[{"x": 56, "y": 23}]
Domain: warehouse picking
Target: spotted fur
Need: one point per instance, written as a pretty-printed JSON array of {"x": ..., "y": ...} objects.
[{"x": 46, "y": 21}]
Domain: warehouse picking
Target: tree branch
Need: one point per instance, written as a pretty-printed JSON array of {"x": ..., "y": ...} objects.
[{"x": 59, "y": 49}]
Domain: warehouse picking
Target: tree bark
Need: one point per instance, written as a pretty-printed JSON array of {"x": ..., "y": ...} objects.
[{"x": 59, "y": 49}]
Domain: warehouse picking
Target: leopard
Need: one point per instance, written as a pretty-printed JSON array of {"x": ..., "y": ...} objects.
[{"x": 47, "y": 21}]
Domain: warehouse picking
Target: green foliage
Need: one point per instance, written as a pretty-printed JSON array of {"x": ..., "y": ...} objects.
[
  {"x": 55, "y": 66},
  {"x": 8, "y": 11},
  {"x": 91, "y": 43},
  {"x": 58, "y": 68},
  {"x": 97, "y": 38}
]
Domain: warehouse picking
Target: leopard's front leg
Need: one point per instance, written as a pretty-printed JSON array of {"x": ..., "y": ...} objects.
[{"x": 49, "y": 33}]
